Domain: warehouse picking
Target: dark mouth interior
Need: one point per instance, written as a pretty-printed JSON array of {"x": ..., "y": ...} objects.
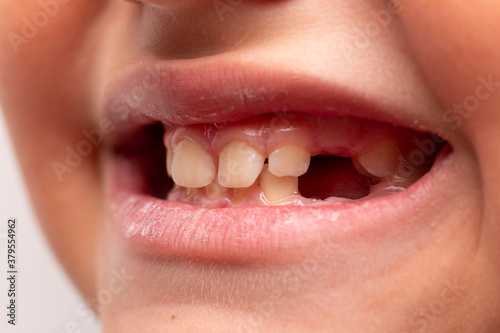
[
  {"x": 145, "y": 152},
  {"x": 327, "y": 176},
  {"x": 334, "y": 176}
]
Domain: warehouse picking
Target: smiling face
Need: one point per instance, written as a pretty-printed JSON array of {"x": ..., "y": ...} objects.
[{"x": 264, "y": 165}]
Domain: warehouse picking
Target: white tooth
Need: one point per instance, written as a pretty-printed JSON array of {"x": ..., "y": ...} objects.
[
  {"x": 289, "y": 160},
  {"x": 170, "y": 159},
  {"x": 278, "y": 188},
  {"x": 239, "y": 164},
  {"x": 188, "y": 191},
  {"x": 240, "y": 194},
  {"x": 381, "y": 160},
  {"x": 214, "y": 191},
  {"x": 191, "y": 165}
]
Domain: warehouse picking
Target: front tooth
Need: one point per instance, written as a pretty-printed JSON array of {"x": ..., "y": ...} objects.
[
  {"x": 241, "y": 193},
  {"x": 289, "y": 160},
  {"x": 214, "y": 191},
  {"x": 239, "y": 165},
  {"x": 381, "y": 160},
  {"x": 192, "y": 166},
  {"x": 278, "y": 188}
]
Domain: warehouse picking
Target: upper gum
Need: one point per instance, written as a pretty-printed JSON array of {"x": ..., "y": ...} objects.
[{"x": 351, "y": 137}]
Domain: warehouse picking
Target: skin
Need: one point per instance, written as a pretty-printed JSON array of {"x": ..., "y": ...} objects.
[{"x": 49, "y": 90}]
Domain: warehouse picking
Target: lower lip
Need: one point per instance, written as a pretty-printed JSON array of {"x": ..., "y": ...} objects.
[{"x": 257, "y": 234}]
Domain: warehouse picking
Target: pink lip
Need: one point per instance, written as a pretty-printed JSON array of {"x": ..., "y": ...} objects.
[
  {"x": 191, "y": 92},
  {"x": 211, "y": 90}
]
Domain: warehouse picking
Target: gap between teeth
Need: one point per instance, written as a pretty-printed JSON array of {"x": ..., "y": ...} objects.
[{"x": 241, "y": 168}]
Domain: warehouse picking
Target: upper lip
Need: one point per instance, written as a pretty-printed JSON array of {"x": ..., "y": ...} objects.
[
  {"x": 210, "y": 91},
  {"x": 196, "y": 91}
]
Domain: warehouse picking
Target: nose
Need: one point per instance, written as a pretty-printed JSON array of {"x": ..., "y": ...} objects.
[
  {"x": 352, "y": 43},
  {"x": 197, "y": 28}
]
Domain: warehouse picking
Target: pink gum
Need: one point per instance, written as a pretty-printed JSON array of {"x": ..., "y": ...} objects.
[{"x": 341, "y": 136}]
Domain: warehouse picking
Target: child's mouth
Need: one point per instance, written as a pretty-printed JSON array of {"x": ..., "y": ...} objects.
[
  {"x": 281, "y": 159},
  {"x": 246, "y": 185}
]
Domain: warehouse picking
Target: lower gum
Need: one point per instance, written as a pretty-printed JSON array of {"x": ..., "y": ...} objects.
[{"x": 256, "y": 198}]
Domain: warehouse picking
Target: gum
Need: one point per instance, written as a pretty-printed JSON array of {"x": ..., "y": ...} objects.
[
  {"x": 256, "y": 197},
  {"x": 340, "y": 136}
]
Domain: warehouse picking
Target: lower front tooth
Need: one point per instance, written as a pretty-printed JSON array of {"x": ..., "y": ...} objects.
[
  {"x": 278, "y": 188},
  {"x": 239, "y": 165},
  {"x": 191, "y": 165},
  {"x": 241, "y": 193},
  {"x": 214, "y": 191}
]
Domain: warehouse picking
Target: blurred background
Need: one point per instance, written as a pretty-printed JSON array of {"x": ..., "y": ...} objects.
[{"x": 47, "y": 301}]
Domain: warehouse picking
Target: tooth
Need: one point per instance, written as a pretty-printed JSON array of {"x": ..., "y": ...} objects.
[
  {"x": 170, "y": 158},
  {"x": 239, "y": 164},
  {"x": 191, "y": 165},
  {"x": 381, "y": 160},
  {"x": 240, "y": 194},
  {"x": 289, "y": 160},
  {"x": 214, "y": 191},
  {"x": 278, "y": 188},
  {"x": 188, "y": 191}
]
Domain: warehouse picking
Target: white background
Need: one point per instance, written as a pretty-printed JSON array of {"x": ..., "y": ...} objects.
[{"x": 47, "y": 300}]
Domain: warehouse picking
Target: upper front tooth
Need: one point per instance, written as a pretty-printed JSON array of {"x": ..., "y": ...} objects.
[
  {"x": 191, "y": 165},
  {"x": 381, "y": 160},
  {"x": 289, "y": 160},
  {"x": 239, "y": 164}
]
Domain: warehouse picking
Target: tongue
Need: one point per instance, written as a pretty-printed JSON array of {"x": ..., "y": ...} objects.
[{"x": 333, "y": 176}]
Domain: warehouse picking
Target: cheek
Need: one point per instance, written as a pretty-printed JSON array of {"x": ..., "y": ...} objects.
[
  {"x": 41, "y": 91},
  {"x": 45, "y": 42},
  {"x": 456, "y": 44}
]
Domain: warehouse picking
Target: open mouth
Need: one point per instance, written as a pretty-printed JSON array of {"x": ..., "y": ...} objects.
[
  {"x": 278, "y": 159},
  {"x": 252, "y": 184}
]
